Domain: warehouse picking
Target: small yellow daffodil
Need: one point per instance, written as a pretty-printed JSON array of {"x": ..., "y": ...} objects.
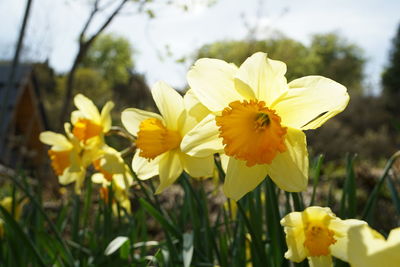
[
  {"x": 87, "y": 121},
  {"x": 159, "y": 137},
  {"x": 368, "y": 248},
  {"x": 68, "y": 159},
  {"x": 257, "y": 119},
  {"x": 112, "y": 170},
  {"x": 317, "y": 234}
]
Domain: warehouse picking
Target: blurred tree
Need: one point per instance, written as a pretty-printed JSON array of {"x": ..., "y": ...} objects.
[
  {"x": 339, "y": 60},
  {"x": 328, "y": 55},
  {"x": 391, "y": 76},
  {"x": 111, "y": 56},
  {"x": 85, "y": 41}
]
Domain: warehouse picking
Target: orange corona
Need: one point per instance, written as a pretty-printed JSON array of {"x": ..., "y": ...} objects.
[
  {"x": 154, "y": 138},
  {"x": 251, "y": 132}
]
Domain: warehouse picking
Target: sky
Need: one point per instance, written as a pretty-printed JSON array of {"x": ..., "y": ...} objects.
[{"x": 54, "y": 27}]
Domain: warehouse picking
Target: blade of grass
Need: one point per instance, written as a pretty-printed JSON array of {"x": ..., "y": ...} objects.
[
  {"x": 348, "y": 201},
  {"x": 316, "y": 175},
  {"x": 394, "y": 194},
  {"x": 367, "y": 212},
  {"x": 22, "y": 236},
  {"x": 39, "y": 207},
  {"x": 275, "y": 230},
  {"x": 160, "y": 218}
]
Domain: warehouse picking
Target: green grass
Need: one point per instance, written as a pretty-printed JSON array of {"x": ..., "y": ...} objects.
[{"x": 79, "y": 232}]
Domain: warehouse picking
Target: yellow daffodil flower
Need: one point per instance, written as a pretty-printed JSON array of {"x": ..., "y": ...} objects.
[
  {"x": 317, "y": 234},
  {"x": 113, "y": 171},
  {"x": 159, "y": 137},
  {"x": 258, "y": 120},
  {"x": 368, "y": 248},
  {"x": 68, "y": 159},
  {"x": 87, "y": 121}
]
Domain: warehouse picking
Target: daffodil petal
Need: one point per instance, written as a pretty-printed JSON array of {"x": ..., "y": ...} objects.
[
  {"x": 241, "y": 179},
  {"x": 224, "y": 161},
  {"x": 170, "y": 168},
  {"x": 341, "y": 228},
  {"x": 198, "y": 167},
  {"x": 68, "y": 177},
  {"x": 57, "y": 141},
  {"x": 105, "y": 116},
  {"x": 87, "y": 107},
  {"x": 293, "y": 225},
  {"x": 311, "y": 101},
  {"x": 203, "y": 139},
  {"x": 98, "y": 178},
  {"x": 144, "y": 168},
  {"x": 195, "y": 112},
  {"x": 289, "y": 170},
  {"x": 170, "y": 104},
  {"x": 76, "y": 115},
  {"x": 367, "y": 248},
  {"x": 132, "y": 117},
  {"x": 212, "y": 81},
  {"x": 321, "y": 261},
  {"x": 264, "y": 76}
]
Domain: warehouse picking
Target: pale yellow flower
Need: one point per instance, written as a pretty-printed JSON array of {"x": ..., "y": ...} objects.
[
  {"x": 159, "y": 137},
  {"x": 368, "y": 248},
  {"x": 258, "y": 120},
  {"x": 112, "y": 170},
  {"x": 87, "y": 121},
  {"x": 317, "y": 234},
  {"x": 68, "y": 159}
]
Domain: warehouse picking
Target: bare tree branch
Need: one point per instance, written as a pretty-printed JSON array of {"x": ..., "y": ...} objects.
[{"x": 84, "y": 45}]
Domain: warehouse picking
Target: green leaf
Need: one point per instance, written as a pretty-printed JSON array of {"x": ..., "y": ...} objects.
[
  {"x": 160, "y": 218},
  {"x": 20, "y": 234},
  {"x": 367, "y": 212}
]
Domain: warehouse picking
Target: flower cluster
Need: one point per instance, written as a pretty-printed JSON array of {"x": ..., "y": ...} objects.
[
  {"x": 84, "y": 145},
  {"x": 254, "y": 120}
]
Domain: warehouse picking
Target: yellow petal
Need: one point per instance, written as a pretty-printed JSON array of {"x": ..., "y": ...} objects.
[
  {"x": 194, "y": 107},
  {"x": 203, "y": 140},
  {"x": 105, "y": 116},
  {"x": 132, "y": 117},
  {"x": 98, "y": 178},
  {"x": 68, "y": 177},
  {"x": 86, "y": 106},
  {"x": 241, "y": 179},
  {"x": 224, "y": 161},
  {"x": 294, "y": 230},
  {"x": 321, "y": 261},
  {"x": 170, "y": 168},
  {"x": 212, "y": 81},
  {"x": 75, "y": 116},
  {"x": 289, "y": 170},
  {"x": 367, "y": 248},
  {"x": 57, "y": 141},
  {"x": 311, "y": 101},
  {"x": 112, "y": 163},
  {"x": 170, "y": 105},
  {"x": 198, "y": 167},
  {"x": 144, "y": 168},
  {"x": 341, "y": 229},
  {"x": 264, "y": 76}
]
